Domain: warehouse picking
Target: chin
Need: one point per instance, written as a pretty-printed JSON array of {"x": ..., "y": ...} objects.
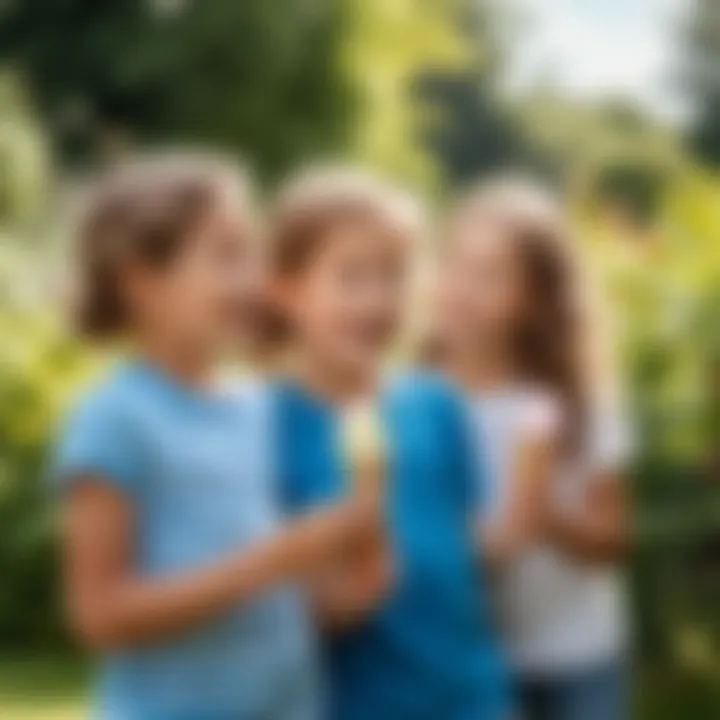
[
  {"x": 363, "y": 360},
  {"x": 236, "y": 345}
]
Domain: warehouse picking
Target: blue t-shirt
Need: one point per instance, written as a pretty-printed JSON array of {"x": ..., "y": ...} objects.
[
  {"x": 427, "y": 653},
  {"x": 196, "y": 467}
]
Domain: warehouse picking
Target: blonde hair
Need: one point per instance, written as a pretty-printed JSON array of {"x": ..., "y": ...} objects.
[
  {"x": 314, "y": 202},
  {"x": 319, "y": 197}
]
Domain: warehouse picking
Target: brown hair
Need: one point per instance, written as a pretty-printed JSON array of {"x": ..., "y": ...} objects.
[
  {"x": 309, "y": 207},
  {"x": 140, "y": 212},
  {"x": 552, "y": 342}
]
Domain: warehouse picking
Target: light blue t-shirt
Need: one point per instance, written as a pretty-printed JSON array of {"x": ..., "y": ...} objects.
[{"x": 196, "y": 467}]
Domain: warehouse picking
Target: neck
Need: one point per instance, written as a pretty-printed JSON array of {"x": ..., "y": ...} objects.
[
  {"x": 482, "y": 367},
  {"x": 334, "y": 381},
  {"x": 188, "y": 365}
]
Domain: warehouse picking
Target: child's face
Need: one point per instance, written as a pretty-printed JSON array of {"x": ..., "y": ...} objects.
[
  {"x": 481, "y": 285},
  {"x": 204, "y": 298},
  {"x": 347, "y": 302}
]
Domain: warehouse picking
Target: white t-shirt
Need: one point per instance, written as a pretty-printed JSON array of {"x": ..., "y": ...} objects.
[{"x": 556, "y": 613}]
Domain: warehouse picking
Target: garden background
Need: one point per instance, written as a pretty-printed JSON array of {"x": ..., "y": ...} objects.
[{"x": 417, "y": 89}]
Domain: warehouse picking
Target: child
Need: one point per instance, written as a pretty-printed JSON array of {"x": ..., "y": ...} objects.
[
  {"x": 512, "y": 332},
  {"x": 176, "y": 568},
  {"x": 414, "y": 642}
]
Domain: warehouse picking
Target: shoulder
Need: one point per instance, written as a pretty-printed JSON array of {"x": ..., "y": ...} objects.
[
  {"x": 425, "y": 388},
  {"x": 435, "y": 403},
  {"x": 99, "y": 433},
  {"x": 541, "y": 413},
  {"x": 110, "y": 398},
  {"x": 610, "y": 441},
  {"x": 291, "y": 405},
  {"x": 434, "y": 397}
]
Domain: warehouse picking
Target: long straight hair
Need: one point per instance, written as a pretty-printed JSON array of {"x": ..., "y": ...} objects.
[{"x": 555, "y": 341}]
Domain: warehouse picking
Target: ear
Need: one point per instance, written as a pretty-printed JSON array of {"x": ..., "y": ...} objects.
[{"x": 137, "y": 283}]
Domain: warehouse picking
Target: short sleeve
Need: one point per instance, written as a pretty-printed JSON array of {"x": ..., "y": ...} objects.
[
  {"x": 97, "y": 440},
  {"x": 610, "y": 441},
  {"x": 542, "y": 418}
]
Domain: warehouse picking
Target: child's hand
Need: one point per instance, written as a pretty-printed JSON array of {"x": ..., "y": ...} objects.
[
  {"x": 318, "y": 538},
  {"x": 369, "y": 487},
  {"x": 355, "y": 588}
]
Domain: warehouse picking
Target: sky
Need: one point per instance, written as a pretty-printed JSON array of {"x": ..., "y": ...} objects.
[{"x": 602, "y": 48}]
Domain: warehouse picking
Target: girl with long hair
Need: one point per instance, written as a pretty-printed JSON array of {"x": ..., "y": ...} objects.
[{"x": 513, "y": 329}]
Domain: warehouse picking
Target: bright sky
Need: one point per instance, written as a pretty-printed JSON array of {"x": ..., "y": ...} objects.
[{"x": 602, "y": 48}]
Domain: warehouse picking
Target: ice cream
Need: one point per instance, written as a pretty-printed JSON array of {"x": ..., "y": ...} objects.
[{"x": 364, "y": 446}]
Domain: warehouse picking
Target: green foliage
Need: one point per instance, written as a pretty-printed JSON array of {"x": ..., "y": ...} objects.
[
  {"x": 703, "y": 80},
  {"x": 662, "y": 277},
  {"x": 36, "y": 370},
  {"x": 43, "y": 687},
  {"x": 33, "y": 362},
  {"x": 24, "y": 157},
  {"x": 386, "y": 48},
  {"x": 256, "y": 77},
  {"x": 635, "y": 188},
  {"x": 471, "y": 131}
]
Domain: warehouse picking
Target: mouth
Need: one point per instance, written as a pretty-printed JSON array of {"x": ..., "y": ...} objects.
[{"x": 374, "y": 334}]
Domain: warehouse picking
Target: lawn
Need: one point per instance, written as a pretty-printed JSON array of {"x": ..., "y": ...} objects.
[
  {"x": 42, "y": 688},
  {"x": 55, "y": 688}
]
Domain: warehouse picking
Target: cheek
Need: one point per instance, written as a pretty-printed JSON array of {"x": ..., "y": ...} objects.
[
  {"x": 374, "y": 309},
  {"x": 498, "y": 301},
  {"x": 447, "y": 296},
  {"x": 199, "y": 297},
  {"x": 454, "y": 304},
  {"x": 467, "y": 305},
  {"x": 317, "y": 309},
  {"x": 398, "y": 294}
]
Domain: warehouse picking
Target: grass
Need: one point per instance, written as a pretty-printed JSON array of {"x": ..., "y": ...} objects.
[
  {"x": 42, "y": 688},
  {"x": 55, "y": 688}
]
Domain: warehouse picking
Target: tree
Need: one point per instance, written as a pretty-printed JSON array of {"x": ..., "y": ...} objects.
[
  {"x": 473, "y": 131},
  {"x": 702, "y": 72},
  {"x": 24, "y": 158},
  {"x": 249, "y": 76},
  {"x": 387, "y": 47}
]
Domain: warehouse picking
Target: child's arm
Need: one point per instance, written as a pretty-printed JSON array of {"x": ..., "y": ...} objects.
[
  {"x": 505, "y": 537},
  {"x": 355, "y": 585},
  {"x": 598, "y": 531},
  {"x": 111, "y": 604},
  {"x": 347, "y": 595},
  {"x": 533, "y": 467}
]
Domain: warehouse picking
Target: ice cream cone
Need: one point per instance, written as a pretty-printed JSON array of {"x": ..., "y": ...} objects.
[{"x": 365, "y": 449}]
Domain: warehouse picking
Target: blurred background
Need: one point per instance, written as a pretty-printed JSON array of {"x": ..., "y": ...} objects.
[{"x": 617, "y": 101}]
